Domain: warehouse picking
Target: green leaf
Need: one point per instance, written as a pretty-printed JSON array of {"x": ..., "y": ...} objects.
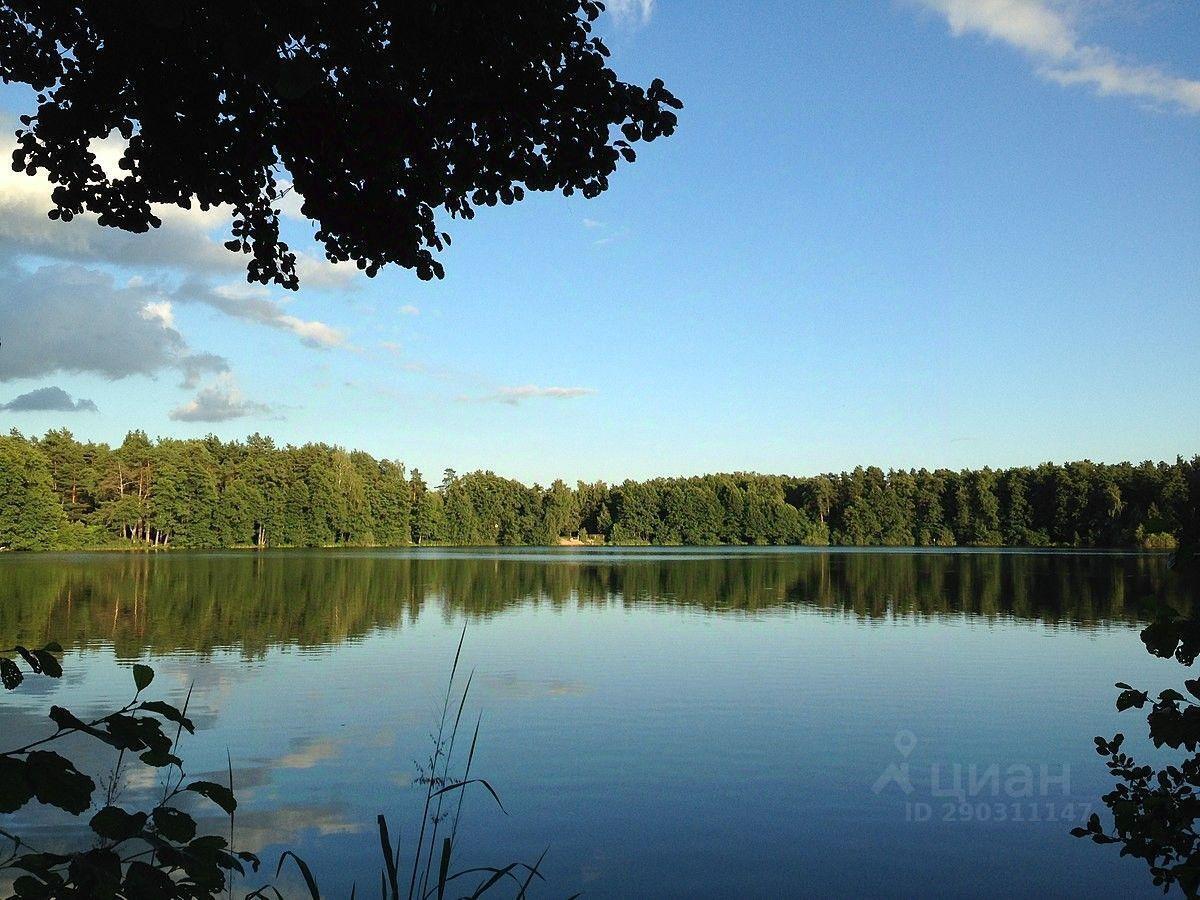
[
  {"x": 15, "y": 789},
  {"x": 174, "y": 824},
  {"x": 142, "y": 676},
  {"x": 115, "y": 824},
  {"x": 217, "y": 793},
  {"x": 56, "y": 781}
]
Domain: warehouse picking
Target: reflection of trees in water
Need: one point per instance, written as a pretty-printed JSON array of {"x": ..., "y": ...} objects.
[{"x": 253, "y": 601}]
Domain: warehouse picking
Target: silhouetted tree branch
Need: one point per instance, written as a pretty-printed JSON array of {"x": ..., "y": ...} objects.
[{"x": 380, "y": 112}]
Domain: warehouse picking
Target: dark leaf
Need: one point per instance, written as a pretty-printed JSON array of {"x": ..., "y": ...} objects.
[
  {"x": 174, "y": 824},
  {"x": 144, "y": 882},
  {"x": 96, "y": 873},
  {"x": 142, "y": 676},
  {"x": 15, "y": 789},
  {"x": 39, "y": 863},
  {"x": 217, "y": 793},
  {"x": 50, "y": 665},
  {"x": 115, "y": 824},
  {"x": 160, "y": 759},
  {"x": 65, "y": 719},
  {"x": 10, "y": 673},
  {"x": 167, "y": 711},
  {"x": 27, "y": 887},
  {"x": 29, "y": 658},
  {"x": 56, "y": 781}
]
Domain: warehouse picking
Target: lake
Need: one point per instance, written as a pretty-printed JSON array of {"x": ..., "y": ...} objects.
[{"x": 669, "y": 722}]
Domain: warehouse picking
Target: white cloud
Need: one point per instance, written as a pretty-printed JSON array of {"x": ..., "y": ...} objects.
[
  {"x": 158, "y": 309},
  {"x": 636, "y": 12},
  {"x": 409, "y": 310},
  {"x": 391, "y": 347},
  {"x": 218, "y": 401},
  {"x": 514, "y": 395},
  {"x": 1046, "y": 31},
  {"x": 592, "y": 223}
]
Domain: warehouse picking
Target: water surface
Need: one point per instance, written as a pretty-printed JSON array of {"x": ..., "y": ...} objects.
[{"x": 714, "y": 722}]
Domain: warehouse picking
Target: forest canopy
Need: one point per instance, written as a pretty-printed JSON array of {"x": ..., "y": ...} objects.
[
  {"x": 58, "y": 492},
  {"x": 378, "y": 114}
]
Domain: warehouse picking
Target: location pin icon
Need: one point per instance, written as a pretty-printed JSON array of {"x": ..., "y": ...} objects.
[{"x": 905, "y": 741}]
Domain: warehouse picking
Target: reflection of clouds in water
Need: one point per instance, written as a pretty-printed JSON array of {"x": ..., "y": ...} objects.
[
  {"x": 214, "y": 679},
  {"x": 592, "y": 869},
  {"x": 255, "y": 829},
  {"x": 310, "y": 753},
  {"x": 512, "y": 685},
  {"x": 382, "y": 739}
]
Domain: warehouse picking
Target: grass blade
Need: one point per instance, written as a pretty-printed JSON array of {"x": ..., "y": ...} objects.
[
  {"x": 458, "y": 785},
  {"x": 313, "y": 891},
  {"x": 443, "y": 868},
  {"x": 388, "y": 859},
  {"x": 533, "y": 872}
]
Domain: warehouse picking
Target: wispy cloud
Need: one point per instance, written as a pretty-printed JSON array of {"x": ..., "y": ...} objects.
[
  {"x": 219, "y": 401},
  {"x": 592, "y": 223},
  {"x": 48, "y": 399},
  {"x": 633, "y": 12},
  {"x": 253, "y": 303},
  {"x": 409, "y": 310},
  {"x": 514, "y": 395},
  {"x": 1046, "y": 30}
]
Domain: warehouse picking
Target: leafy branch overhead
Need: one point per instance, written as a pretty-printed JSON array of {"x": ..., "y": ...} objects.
[{"x": 380, "y": 112}]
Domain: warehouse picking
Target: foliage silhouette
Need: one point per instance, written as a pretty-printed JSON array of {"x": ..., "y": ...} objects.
[
  {"x": 138, "y": 854},
  {"x": 1154, "y": 811},
  {"x": 381, "y": 112},
  {"x": 156, "y": 853}
]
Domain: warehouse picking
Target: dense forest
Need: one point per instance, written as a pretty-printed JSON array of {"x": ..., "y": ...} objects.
[{"x": 58, "y": 492}]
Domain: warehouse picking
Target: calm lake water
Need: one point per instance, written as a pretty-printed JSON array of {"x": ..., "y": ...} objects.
[{"x": 686, "y": 722}]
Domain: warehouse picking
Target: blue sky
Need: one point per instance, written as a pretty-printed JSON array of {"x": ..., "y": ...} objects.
[{"x": 913, "y": 233}]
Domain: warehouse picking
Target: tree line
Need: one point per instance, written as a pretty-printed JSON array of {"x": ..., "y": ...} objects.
[{"x": 58, "y": 492}]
